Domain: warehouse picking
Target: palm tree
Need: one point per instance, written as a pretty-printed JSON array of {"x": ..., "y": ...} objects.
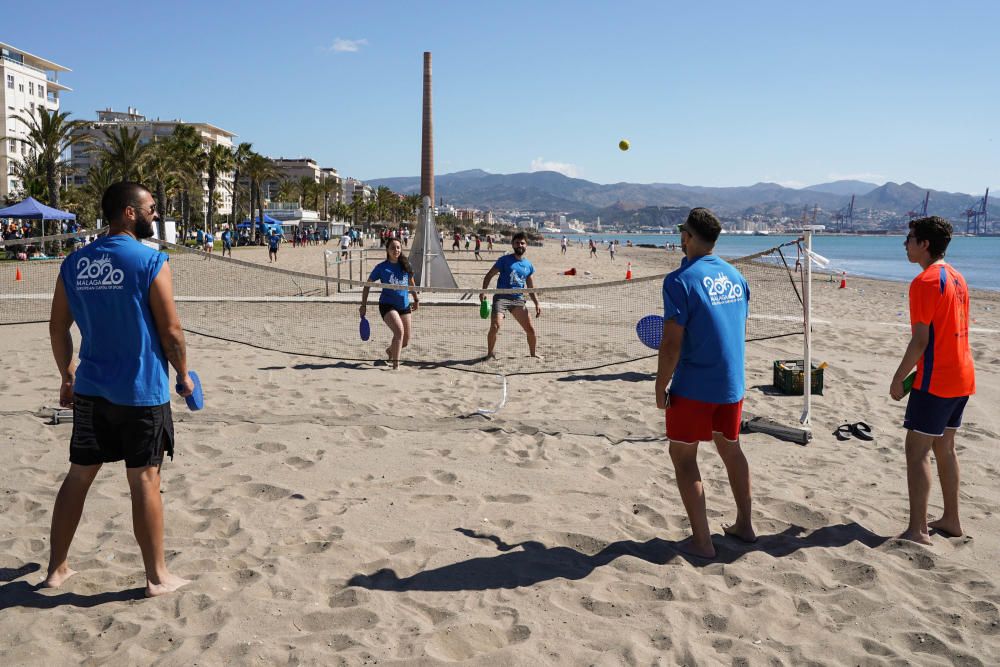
[
  {"x": 30, "y": 170},
  {"x": 288, "y": 190},
  {"x": 240, "y": 155},
  {"x": 327, "y": 187},
  {"x": 188, "y": 166},
  {"x": 258, "y": 169},
  {"x": 219, "y": 160},
  {"x": 161, "y": 168},
  {"x": 123, "y": 153},
  {"x": 305, "y": 187},
  {"x": 49, "y": 136}
]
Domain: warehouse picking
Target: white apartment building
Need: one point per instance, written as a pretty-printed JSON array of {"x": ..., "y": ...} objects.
[
  {"x": 354, "y": 189},
  {"x": 83, "y": 157},
  {"x": 27, "y": 83},
  {"x": 294, "y": 169}
]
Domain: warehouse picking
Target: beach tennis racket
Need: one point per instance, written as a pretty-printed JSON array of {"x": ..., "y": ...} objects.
[
  {"x": 908, "y": 383},
  {"x": 196, "y": 401},
  {"x": 365, "y": 329},
  {"x": 484, "y": 309},
  {"x": 650, "y": 331}
]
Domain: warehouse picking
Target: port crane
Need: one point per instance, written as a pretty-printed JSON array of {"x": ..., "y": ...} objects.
[
  {"x": 845, "y": 217},
  {"x": 976, "y": 220},
  {"x": 922, "y": 213}
]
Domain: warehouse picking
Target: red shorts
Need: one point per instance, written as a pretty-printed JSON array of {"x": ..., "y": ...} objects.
[{"x": 690, "y": 421}]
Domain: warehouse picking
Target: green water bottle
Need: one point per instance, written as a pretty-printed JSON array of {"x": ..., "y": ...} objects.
[
  {"x": 484, "y": 309},
  {"x": 908, "y": 383}
]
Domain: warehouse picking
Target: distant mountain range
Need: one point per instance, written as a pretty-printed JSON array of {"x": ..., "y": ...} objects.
[{"x": 552, "y": 192}]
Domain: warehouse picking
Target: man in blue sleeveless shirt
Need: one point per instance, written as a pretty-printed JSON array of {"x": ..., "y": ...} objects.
[
  {"x": 705, "y": 308},
  {"x": 120, "y": 294},
  {"x": 514, "y": 272}
]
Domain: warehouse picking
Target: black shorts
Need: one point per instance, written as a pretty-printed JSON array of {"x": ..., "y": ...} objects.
[
  {"x": 273, "y": 249},
  {"x": 385, "y": 308},
  {"x": 104, "y": 432}
]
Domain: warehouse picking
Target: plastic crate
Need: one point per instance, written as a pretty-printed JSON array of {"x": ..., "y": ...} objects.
[{"x": 788, "y": 376}]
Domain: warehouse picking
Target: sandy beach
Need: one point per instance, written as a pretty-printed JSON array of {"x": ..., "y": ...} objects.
[{"x": 342, "y": 513}]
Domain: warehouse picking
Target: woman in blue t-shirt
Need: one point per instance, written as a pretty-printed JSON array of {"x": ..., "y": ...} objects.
[{"x": 393, "y": 304}]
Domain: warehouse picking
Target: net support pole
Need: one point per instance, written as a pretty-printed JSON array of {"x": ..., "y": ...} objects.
[
  {"x": 326, "y": 271},
  {"x": 425, "y": 264},
  {"x": 807, "y": 373}
]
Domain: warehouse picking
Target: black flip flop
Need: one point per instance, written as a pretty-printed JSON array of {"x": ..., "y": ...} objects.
[
  {"x": 843, "y": 432},
  {"x": 862, "y": 431}
]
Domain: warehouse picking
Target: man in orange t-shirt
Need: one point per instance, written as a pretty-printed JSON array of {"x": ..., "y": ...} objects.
[{"x": 944, "y": 380}]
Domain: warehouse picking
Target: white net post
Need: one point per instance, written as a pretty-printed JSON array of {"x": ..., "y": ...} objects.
[
  {"x": 425, "y": 268},
  {"x": 807, "y": 373}
]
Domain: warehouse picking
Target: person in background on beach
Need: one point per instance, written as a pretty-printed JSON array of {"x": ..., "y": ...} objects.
[
  {"x": 515, "y": 272},
  {"x": 273, "y": 241},
  {"x": 489, "y": 242},
  {"x": 227, "y": 242},
  {"x": 345, "y": 245},
  {"x": 945, "y": 378},
  {"x": 562, "y": 245},
  {"x": 705, "y": 309},
  {"x": 394, "y": 305},
  {"x": 456, "y": 242},
  {"x": 611, "y": 250},
  {"x": 120, "y": 392},
  {"x": 593, "y": 248},
  {"x": 209, "y": 244},
  {"x": 479, "y": 246}
]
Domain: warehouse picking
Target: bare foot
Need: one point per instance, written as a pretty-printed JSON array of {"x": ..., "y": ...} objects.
[
  {"x": 537, "y": 356},
  {"x": 489, "y": 355},
  {"x": 742, "y": 533},
  {"x": 915, "y": 536},
  {"x": 56, "y": 578},
  {"x": 948, "y": 528},
  {"x": 691, "y": 548},
  {"x": 169, "y": 584}
]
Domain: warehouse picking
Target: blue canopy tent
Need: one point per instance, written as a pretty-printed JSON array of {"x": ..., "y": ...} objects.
[
  {"x": 32, "y": 209},
  {"x": 265, "y": 228}
]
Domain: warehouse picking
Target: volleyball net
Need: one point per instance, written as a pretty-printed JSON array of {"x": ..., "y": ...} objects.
[{"x": 583, "y": 326}]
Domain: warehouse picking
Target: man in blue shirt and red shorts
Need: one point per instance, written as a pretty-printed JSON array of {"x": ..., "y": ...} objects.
[{"x": 705, "y": 304}]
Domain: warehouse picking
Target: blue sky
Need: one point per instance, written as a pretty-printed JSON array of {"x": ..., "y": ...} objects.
[{"x": 730, "y": 93}]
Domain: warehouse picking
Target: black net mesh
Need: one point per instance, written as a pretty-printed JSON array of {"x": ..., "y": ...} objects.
[{"x": 582, "y": 327}]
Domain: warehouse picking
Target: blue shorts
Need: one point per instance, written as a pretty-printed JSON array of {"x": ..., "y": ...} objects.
[{"x": 931, "y": 415}]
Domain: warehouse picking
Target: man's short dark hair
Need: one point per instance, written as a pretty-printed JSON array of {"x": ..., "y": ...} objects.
[
  {"x": 936, "y": 231},
  {"x": 118, "y": 197},
  {"x": 519, "y": 236},
  {"x": 702, "y": 223}
]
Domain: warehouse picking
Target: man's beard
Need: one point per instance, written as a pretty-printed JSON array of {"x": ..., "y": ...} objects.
[
  {"x": 519, "y": 251},
  {"x": 144, "y": 228}
]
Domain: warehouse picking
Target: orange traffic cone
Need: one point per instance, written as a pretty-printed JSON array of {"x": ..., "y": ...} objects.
[
  {"x": 628, "y": 272},
  {"x": 17, "y": 276},
  {"x": 843, "y": 280}
]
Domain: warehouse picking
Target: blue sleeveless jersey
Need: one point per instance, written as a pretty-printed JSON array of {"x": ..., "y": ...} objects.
[{"x": 107, "y": 284}]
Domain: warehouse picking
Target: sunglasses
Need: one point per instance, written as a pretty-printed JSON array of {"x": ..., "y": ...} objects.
[{"x": 152, "y": 209}]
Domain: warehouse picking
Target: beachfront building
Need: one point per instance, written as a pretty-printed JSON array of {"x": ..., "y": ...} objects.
[
  {"x": 29, "y": 83},
  {"x": 84, "y": 157},
  {"x": 353, "y": 189},
  {"x": 294, "y": 169}
]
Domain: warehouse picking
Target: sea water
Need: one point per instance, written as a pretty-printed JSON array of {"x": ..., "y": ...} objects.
[{"x": 976, "y": 258}]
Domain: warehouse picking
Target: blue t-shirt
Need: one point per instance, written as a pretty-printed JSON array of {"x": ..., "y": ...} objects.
[
  {"x": 392, "y": 274},
  {"x": 226, "y": 238},
  {"x": 513, "y": 274},
  {"x": 273, "y": 241},
  {"x": 200, "y": 236},
  {"x": 107, "y": 285},
  {"x": 711, "y": 300}
]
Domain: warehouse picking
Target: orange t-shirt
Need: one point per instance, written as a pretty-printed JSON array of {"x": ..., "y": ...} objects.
[{"x": 939, "y": 298}]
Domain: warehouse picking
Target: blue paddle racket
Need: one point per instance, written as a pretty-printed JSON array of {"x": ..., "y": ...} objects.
[
  {"x": 650, "y": 331},
  {"x": 196, "y": 401},
  {"x": 365, "y": 329}
]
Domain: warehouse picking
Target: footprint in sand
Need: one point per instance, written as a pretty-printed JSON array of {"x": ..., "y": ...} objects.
[
  {"x": 513, "y": 498},
  {"x": 263, "y": 492},
  {"x": 270, "y": 447},
  {"x": 299, "y": 463},
  {"x": 444, "y": 477}
]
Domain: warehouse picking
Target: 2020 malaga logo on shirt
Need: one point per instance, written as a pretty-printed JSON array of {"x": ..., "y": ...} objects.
[
  {"x": 98, "y": 274},
  {"x": 722, "y": 290}
]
